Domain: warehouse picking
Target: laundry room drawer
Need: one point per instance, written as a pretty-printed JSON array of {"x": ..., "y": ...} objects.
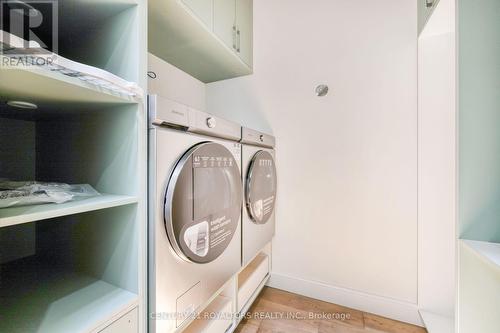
[
  {"x": 216, "y": 318},
  {"x": 128, "y": 323},
  {"x": 251, "y": 277}
]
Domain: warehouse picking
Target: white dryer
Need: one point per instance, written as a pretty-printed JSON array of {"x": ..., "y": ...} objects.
[
  {"x": 195, "y": 195},
  {"x": 260, "y": 182}
]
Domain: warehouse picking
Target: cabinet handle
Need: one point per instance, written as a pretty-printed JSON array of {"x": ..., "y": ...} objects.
[
  {"x": 429, "y": 3},
  {"x": 239, "y": 40},
  {"x": 234, "y": 37}
]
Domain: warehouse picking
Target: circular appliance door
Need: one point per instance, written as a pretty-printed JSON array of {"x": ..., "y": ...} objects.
[
  {"x": 260, "y": 191},
  {"x": 203, "y": 202}
]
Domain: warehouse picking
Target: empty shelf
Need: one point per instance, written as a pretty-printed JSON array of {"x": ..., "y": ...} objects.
[
  {"x": 488, "y": 252},
  {"x": 217, "y": 317},
  {"x": 40, "y": 298},
  {"x": 25, "y": 214},
  {"x": 437, "y": 323},
  {"x": 250, "y": 279}
]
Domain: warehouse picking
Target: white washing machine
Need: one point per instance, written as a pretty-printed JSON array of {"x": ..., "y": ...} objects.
[
  {"x": 195, "y": 195},
  {"x": 260, "y": 182}
]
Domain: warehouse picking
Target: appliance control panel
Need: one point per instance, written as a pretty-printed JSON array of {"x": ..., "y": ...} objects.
[
  {"x": 257, "y": 138},
  {"x": 165, "y": 112}
]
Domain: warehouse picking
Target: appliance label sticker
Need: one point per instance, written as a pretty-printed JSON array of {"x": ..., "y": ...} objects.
[{"x": 218, "y": 232}]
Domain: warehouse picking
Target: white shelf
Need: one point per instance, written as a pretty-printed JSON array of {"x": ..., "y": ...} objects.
[
  {"x": 39, "y": 298},
  {"x": 251, "y": 278},
  {"x": 249, "y": 304},
  {"x": 435, "y": 323},
  {"x": 220, "y": 307},
  {"x": 487, "y": 252},
  {"x": 42, "y": 85},
  {"x": 25, "y": 214}
]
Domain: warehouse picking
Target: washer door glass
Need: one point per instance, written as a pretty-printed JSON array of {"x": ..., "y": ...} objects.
[
  {"x": 260, "y": 189},
  {"x": 203, "y": 202}
]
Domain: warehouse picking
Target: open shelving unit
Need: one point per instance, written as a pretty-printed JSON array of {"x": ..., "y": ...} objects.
[
  {"x": 100, "y": 36},
  {"x": 79, "y": 266},
  {"x": 59, "y": 301},
  {"x": 80, "y": 274},
  {"x": 459, "y": 166}
]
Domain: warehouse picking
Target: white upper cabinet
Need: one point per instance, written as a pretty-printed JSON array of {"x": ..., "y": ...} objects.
[
  {"x": 203, "y": 9},
  {"x": 209, "y": 39},
  {"x": 225, "y": 22},
  {"x": 244, "y": 30},
  {"x": 233, "y": 24}
]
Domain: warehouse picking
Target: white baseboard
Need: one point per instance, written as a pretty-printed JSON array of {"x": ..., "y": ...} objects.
[{"x": 382, "y": 306}]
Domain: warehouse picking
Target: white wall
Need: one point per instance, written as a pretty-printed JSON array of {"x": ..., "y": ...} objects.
[
  {"x": 347, "y": 162},
  {"x": 174, "y": 84},
  {"x": 437, "y": 162}
]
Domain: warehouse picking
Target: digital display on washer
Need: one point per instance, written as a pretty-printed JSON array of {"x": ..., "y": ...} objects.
[
  {"x": 203, "y": 202},
  {"x": 260, "y": 187}
]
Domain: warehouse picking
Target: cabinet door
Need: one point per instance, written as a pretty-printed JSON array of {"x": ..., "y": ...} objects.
[
  {"x": 224, "y": 21},
  {"x": 203, "y": 9},
  {"x": 244, "y": 26}
]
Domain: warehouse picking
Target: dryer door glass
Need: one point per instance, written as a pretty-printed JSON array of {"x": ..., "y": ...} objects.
[
  {"x": 203, "y": 202},
  {"x": 260, "y": 187}
]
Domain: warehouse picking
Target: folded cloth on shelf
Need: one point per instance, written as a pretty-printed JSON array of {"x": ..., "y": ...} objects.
[{"x": 23, "y": 193}]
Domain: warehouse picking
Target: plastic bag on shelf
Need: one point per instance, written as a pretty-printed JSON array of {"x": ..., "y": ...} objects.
[
  {"x": 24, "y": 193},
  {"x": 14, "y": 47}
]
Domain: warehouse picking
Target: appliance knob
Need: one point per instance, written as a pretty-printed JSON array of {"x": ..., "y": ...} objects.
[
  {"x": 211, "y": 122},
  {"x": 261, "y": 138}
]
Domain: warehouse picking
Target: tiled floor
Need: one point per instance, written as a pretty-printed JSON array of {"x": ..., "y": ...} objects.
[{"x": 277, "y": 311}]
